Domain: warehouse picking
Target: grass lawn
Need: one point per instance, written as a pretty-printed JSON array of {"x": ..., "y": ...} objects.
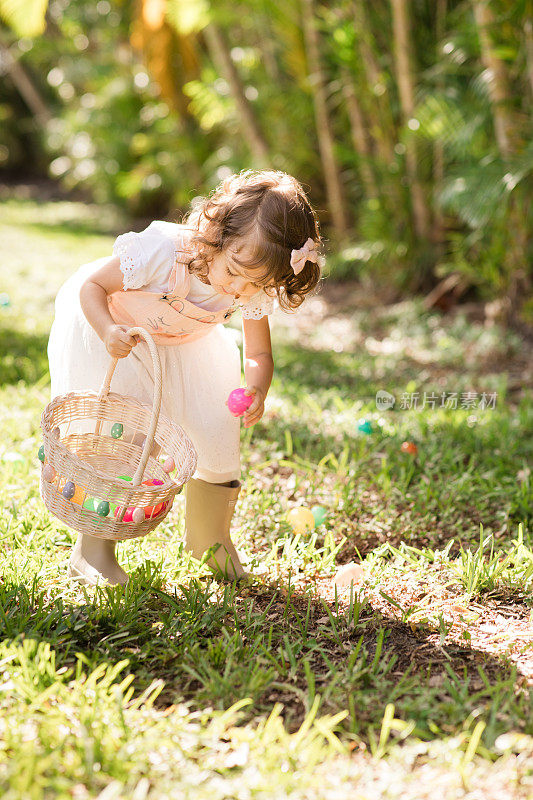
[{"x": 415, "y": 682}]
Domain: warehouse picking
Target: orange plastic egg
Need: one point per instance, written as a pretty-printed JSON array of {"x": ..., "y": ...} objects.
[
  {"x": 409, "y": 447},
  {"x": 79, "y": 496}
]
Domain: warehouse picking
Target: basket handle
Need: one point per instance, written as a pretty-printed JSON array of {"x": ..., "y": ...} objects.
[{"x": 156, "y": 406}]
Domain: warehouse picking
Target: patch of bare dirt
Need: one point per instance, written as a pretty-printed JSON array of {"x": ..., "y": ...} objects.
[{"x": 332, "y": 309}]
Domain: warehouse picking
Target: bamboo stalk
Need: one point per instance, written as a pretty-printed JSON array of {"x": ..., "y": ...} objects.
[
  {"x": 438, "y": 148},
  {"x": 383, "y": 128},
  {"x": 359, "y": 136},
  {"x": 498, "y": 85},
  {"x": 519, "y": 283},
  {"x": 403, "y": 56},
  {"x": 339, "y": 213},
  {"x": 528, "y": 35},
  {"x": 220, "y": 54}
]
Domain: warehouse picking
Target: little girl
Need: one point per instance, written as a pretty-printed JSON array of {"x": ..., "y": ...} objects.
[{"x": 254, "y": 239}]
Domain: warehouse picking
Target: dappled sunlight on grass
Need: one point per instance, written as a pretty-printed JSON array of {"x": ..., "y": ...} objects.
[{"x": 390, "y": 667}]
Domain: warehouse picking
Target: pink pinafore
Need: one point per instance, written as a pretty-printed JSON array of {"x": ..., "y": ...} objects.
[
  {"x": 169, "y": 316},
  {"x": 200, "y": 358}
]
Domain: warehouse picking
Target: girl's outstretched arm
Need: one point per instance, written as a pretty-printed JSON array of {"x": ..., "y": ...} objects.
[
  {"x": 258, "y": 365},
  {"x": 93, "y": 300}
]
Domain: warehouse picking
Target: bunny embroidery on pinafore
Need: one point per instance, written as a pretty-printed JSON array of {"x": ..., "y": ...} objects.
[{"x": 169, "y": 317}]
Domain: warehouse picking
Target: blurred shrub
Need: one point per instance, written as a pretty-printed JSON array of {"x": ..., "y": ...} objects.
[{"x": 110, "y": 132}]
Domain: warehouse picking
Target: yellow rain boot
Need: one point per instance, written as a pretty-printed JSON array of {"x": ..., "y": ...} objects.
[
  {"x": 208, "y": 512},
  {"x": 93, "y": 562}
]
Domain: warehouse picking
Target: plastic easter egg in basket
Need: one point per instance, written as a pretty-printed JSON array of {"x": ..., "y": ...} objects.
[
  {"x": 98, "y": 494},
  {"x": 365, "y": 426}
]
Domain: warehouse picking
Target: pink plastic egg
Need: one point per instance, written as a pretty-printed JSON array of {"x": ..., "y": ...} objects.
[
  {"x": 127, "y": 514},
  {"x": 137, "y": 515},
  {"x": 169, "y": 465},
  {"x": 133, "y": 514},
  {"x": 238, "y": 402},
  {"x": 348, "y": 574},
  {"x": 49, "y": 473}
]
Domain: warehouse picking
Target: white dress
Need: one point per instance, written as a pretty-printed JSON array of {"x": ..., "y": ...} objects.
[{"x": 197, "y": 376}]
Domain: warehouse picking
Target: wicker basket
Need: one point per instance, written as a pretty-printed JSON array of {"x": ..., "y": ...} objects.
[{"x": 79, "y": 447}]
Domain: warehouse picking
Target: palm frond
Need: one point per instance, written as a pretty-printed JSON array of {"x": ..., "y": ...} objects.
[{"x": 479, "y": 193}]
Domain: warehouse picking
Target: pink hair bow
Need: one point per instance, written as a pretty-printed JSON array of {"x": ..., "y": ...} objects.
[{"x": 306, "y": 253}]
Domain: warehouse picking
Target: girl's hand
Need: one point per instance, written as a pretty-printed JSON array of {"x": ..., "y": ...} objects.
[
  {"x": 119, "y": 343},
  {"x": 257, "y": 409}
]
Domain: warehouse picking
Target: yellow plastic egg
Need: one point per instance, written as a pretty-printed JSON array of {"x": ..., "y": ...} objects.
[{"x": 301, "y": 520}]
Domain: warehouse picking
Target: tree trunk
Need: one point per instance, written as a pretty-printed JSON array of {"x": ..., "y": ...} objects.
[
  {"x": 221, "y": 57},
  {"x": 359, "y": 136},
  {"x": 155, "y": 40},
  {"x": 24, "y": 85},
  {"x": 499, "y": 92},
  {"x": 403, "y": 56},
  {"x": 317, "y": 80}
]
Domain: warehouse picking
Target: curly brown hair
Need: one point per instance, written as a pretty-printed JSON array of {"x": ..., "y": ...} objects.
[{"x": 270, "y": 209}]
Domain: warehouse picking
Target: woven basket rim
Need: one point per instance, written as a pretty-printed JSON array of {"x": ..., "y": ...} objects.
[
  {"x": 61, "y": 398},
  {"x": 66, "y": 453}
]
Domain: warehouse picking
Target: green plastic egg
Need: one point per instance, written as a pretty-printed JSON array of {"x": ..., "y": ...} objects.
[
  {"x": 320, "y": 514},
  {"x": 365, "y": 426},
  {"x": 41, "y": 453},
  {"x": 93, "y": 503},
  {"x": 117, "y": 430},
  {"x": 103, "y": 508}
]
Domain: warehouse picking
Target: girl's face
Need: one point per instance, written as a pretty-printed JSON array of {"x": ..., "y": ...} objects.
[{"x": 227, "y": 276}]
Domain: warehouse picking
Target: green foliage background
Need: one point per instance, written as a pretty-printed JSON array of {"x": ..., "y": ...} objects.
[{"x": 150, "y": 130}]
